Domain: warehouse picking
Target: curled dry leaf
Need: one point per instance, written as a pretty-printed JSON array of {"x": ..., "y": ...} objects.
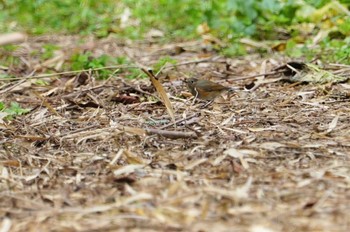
[
  {"x": 2, "y": 116},
  {"x": 333, "y": 124}
]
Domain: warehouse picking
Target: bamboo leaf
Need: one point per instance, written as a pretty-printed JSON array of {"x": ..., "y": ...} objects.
[{"x": 161, "y": 93}]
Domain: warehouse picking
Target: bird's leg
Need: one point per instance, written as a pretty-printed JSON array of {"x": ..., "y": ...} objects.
[
  {"x": 195, "y": 97},
  {"x": 207, "y": 104}
]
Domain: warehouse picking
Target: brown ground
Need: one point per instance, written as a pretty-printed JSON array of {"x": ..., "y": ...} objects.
[{"x": 276, "y": 158}]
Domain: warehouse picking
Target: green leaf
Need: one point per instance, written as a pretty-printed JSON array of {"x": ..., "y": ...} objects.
[
  {"x": 2, "y": 106},
  {"x": 163, "y": 61},
  {"x": 14, "y": 110}
]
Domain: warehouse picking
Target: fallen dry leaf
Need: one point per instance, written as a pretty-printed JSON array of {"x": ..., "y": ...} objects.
[{"x": 161, "y": 93}]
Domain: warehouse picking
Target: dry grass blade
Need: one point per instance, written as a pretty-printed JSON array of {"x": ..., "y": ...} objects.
[
  {"x": 332, "y": 125},
  {"x": 134, "y": 130},
  {"x": 172, "y": 134},
  {"x": 127, "y": 169},
  {"x": 12, "y": 38},
  {"x": 6, "y": 225},
  {"x": 40, "y": 76},
  {"x": 162, "y": 93},
  {"x": 240, "y": 193},
  {"x": 237, "y": 154},
  {"x": 46, "y": 104}
]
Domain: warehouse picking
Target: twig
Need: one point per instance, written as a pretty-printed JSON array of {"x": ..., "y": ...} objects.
[
  {"x": 178, "y": 121},
  {"x": 107, "y": 67},
  {"x": 293, "y": 69},
  {"x": 78, "y": 130},
  {"x": 141, "y": 91},
  {"x": 195, "y": 131},
  {"x": 342, "y": 8},
  {"x": 253, "y": 76},
  {"x": 339, "y": 65},
  {"x": 171, "y": 134},
  {"x": 193, "y": 62},
  {"x": 46, "y": 104},
  {"x": 341, "y": 71},
  {"x": 11, "y": 87},
  {"x": 69, "y": 72},
  {"x": 15, "y": 85},
  {"x": 80, "y": 92}
]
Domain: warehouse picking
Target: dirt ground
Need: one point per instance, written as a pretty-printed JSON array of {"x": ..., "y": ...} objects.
[{"x": 96, "y": 155}]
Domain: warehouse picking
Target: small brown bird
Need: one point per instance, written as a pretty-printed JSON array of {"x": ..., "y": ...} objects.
[{"x": 204, "y": 89}]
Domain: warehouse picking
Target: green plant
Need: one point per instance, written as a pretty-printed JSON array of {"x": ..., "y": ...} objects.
[
  {"x": 122, "y": 60},
  {"x": 163, "y": 61},
  {"x": 42, "y": 82},
  {"x": 293, "y": 50},
  {"x": 14, "y": 110},
  {"x": 334, "y": 50},
  {"x": 71, "y": 16},
  {"x": 228, "y": 20},
  {"x": 87, "y": 61},
  {"x": 4, "y": 75},
  {"x": 48, "y": 51},
  {"x": 135, "y": 73}
]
